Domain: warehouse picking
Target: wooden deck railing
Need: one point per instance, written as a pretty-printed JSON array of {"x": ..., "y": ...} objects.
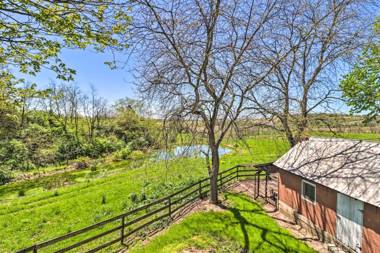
[{"x": 128, "y": 224}]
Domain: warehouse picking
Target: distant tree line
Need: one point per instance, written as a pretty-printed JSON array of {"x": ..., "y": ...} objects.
[{"x": 61, "y": 123}]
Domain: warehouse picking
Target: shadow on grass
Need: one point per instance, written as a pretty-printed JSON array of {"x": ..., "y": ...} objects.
[{"x": 274, "y": 238}]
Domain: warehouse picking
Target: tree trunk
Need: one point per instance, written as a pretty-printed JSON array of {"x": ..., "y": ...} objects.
[
  {"x": 288, "y": 132},
  {"x": 214, "y": 173}
]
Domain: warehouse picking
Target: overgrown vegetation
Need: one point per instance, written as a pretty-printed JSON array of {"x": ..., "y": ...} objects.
[
  {"x": 54, "y": 126},
  {"x": 125, "y": 185}
]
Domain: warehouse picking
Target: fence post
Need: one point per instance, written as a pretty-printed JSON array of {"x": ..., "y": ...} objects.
[
  {"x": 200, "y": 189},
  {"x": 122, "y": 229},
  {"x": 258, "y": 183},
  {"x": 266, "y": 186},
  {"x": 170, "y": 207},
  {"x": 220, "y": 182}
]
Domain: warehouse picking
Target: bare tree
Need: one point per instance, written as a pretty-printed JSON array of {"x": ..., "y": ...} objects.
[
  {"x": 323, "y": 36},
  {"x": 199, "y": 60},
  {"x": 94, "y": 108}
]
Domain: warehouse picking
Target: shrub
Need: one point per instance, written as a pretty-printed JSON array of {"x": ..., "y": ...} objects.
[
  {"x": 102, "y": 145},
  {"x": 93, "y": 168},
  {"x": 69, "y": 148},
  {"x": 136, "y": 155},
  {"x": 133, "y": 197},
  {"x": 142, "y": 196},
  {"x": 44, "y": 157},
  {"x": 5, "y": 176},
  {"x": 14, "y": 154},
  {"x": 21, "y": 193},
  {"x": 123, "y": 153}
]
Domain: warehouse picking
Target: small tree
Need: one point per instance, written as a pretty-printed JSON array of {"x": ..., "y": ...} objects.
[
  {"x": 195, "y": 58},
  {"x": 361, "y": 87}
]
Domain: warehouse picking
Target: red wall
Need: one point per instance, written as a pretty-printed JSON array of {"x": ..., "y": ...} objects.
[
  {"x": 322, "y": 213},
  {"x": 371, "y": 230}
]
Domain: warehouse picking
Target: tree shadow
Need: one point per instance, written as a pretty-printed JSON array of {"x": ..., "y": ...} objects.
[{"x": 270, "y": 236}]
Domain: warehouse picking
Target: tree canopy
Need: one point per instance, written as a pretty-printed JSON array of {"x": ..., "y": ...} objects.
[
  {"x": 361, "y": 86},
  {"x": 33, "y": 32}
]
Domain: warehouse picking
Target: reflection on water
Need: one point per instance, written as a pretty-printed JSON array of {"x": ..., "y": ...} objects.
[{"x": 189, "y": 151}]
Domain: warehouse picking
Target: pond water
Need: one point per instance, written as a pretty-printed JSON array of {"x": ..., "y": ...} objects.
[{"x": 189, "y": 151}]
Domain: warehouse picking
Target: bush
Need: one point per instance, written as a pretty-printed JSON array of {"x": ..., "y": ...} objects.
[
  {"x": 69, "y": 148},
  {"x": 142, "y": 196},
  {"x": 14, "y": 154},
  {"x": 38, "y": 141},
  {"x": 136, "y": 155},
  {"x": 133, "y": 197},
  {"x": 5, "y": 176},
  {"x": 102, "y": 145},
  {"x": 21, "y": 193},
  {"x": 44, "y": 157},
  {"x": 93, "y": 168},
  {"x": 122, "y": 154}
]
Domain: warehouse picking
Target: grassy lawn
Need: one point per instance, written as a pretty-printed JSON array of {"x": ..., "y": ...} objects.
[
  {"x": 55, "y": 205},
  {"x": 243, "y": 225},
  {"x": 35, "y": 210},
  {"x": 352, "y": 135}
]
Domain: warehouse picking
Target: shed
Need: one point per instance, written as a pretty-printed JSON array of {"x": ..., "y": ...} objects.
[{"x": 333, "y": 186}]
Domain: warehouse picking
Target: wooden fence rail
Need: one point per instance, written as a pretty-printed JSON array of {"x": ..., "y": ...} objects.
[{"x": 158, "y": 210}]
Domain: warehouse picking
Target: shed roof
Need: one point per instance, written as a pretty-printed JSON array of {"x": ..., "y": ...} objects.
[{"x": 348, "y": 166}]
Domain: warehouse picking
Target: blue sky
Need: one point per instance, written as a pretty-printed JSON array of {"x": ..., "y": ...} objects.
[
  {"x": 110, "y": 84},
  {"x": 91, "y": 70}
]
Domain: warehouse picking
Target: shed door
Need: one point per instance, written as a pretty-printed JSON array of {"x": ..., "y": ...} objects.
[{"x": 349, "y": 221}]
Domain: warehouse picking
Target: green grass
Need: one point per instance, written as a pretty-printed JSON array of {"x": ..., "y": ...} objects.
[
  {"x": 352, "y": 135},
  {"x": 242, "y": 225},
  {"x": 56, "y": 205}
]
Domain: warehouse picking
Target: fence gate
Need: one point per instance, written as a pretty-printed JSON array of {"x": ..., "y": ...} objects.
[{"x": 266, "y": 184}]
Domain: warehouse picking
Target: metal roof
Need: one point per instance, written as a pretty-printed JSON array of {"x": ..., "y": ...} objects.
[{"x": 348, "y": 166}]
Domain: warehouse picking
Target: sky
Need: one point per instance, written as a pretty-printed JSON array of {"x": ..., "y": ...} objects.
[
  {"x": 111, "y": 84},
  {"x": 91, "y": 70}
]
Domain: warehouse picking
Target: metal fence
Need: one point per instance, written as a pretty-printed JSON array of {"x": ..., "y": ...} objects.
[{"x": 129, "y": 224}]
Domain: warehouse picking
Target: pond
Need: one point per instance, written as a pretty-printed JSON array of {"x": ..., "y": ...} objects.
[{"x": 189, "y": 151}]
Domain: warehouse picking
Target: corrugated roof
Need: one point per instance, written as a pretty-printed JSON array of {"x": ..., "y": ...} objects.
[{"x": 348, "y": 166}]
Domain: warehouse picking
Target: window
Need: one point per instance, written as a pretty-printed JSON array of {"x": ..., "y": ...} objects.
[{"x": 308, "y": 191}]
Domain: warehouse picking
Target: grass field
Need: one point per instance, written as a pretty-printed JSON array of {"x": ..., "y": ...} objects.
[
  {"x": 244, "y": 225},
  {"x": 349, "y": 135},
  {"x": 40, "y": 209}
]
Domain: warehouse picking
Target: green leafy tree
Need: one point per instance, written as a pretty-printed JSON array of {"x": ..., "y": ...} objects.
[
  {"x": 69, "y": 148},
  {"x": 14, "y": 98},
  {"x": 34, "y": 32},
  {"x": 15, "y": 155},
  {"x": 132, "y": 127},
  {"x": 361, "y": 87},
  {"x": 8, "y": 108}
]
